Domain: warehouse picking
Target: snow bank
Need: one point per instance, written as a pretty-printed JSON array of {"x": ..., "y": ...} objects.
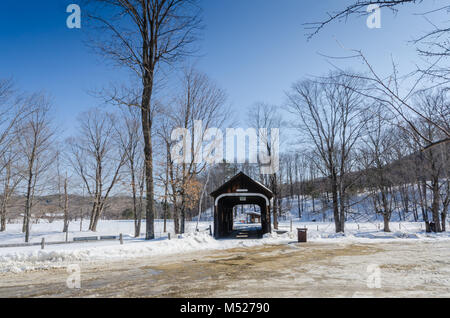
[
  {"x": 31, "y": 258},
  {"x": 375, "y": 236}
]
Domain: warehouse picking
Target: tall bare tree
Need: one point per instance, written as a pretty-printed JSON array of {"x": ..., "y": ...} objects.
[
  {"x": 265, "y": 116},
  {"x": 330, "y": 112},
  {"x": 143, "y": 35},
  {"x": 199, "y": 106},
  {"x": 377, "y": 154},
  {"x": 130, "y": 140},
  {"x": 8, "y": 121},
  {"x": 35, "y": 144},
  {"x": 9, "y": 180},
  {"x": 62, "y": 188},
  {"x": 97, "y": 158},
  {"x": 434, "y": 105}
]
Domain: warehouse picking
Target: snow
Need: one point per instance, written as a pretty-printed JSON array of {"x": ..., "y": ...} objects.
[
  {"x": 19, "y": 259},
  {"x": 54, "y": 256},
  {"x": 53, "y": 231}
]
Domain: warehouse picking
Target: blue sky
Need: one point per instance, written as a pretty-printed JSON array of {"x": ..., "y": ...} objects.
[{"x": 254, "y": 49}]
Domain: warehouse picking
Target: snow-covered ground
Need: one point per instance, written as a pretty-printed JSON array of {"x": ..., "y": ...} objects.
[
  {"x": 32, "y": 257},
  {"x": 18, "y": 259}
]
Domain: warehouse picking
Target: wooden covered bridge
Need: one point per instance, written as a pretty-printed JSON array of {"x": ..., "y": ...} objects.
[{"x": 240, "y": 190}]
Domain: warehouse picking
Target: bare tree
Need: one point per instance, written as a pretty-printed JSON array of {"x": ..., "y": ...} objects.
[
  {"x": 330, "y": 111},
  {"x": 62, "y": 186},
  {"x": 35, "y": 144},
  {"x": 97, "y": 158},
  {"x": 434, "y": 45},
  {"x": 445, "y": 197},
  {"x": 300, "y": 164},
  {"x": 167, "y": 179},
  {"x": 7, "y": 120},
  {"x": 199, "y": 106},
  {"x": 13, "y": 109},
  {"x": 377, "y": 151},
  {"x": 141, "y": 35},
  {"x": 130, "y": 140},
  {"x": 433, "y": 104},
  {"x": 10, "y": 179},
  {"x": 266, "y": 116}
]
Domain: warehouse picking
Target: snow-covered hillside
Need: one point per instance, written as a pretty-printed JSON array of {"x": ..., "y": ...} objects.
[{"x": 306, "y": 210}]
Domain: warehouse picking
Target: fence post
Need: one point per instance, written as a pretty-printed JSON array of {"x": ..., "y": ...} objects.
[
  {"x": 291, "y": 225},
  {"x": 168, "y": 235},
  {"x": 42, "y": 243},
  {"x": 67, "y": 236},
  {"x": 210, "y": 231},
  {"x": 121, "y": 239}
]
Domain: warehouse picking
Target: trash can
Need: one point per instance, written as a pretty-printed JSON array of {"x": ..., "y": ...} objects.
[{"x": 302, "y": 235}]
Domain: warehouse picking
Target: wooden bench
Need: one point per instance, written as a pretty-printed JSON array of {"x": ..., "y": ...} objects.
[{"x": 84, "y": 239}]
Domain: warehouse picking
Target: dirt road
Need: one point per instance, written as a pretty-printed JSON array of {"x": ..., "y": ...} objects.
[{"x": 292, "y": 270}]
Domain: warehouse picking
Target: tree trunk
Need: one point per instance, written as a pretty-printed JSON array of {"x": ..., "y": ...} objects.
[
  {"x": 342, "y": 209},
  {"x": 176, "y": 220},
  {"x": 137, "y": 225},
  {"x": 93, "y": 213},
  {"x": 97, "y": 214},
  {"x": 28, "y": 202},
  {"x": 387, "y": 211},
  {"x": 3, "y": 215},
  {"x": 386, "y": 219},
  {"x": 435, "y": 205},
  {"x": 422, "y": 200},
  {"x": 334, "y": 194},
  {"x": 182, "y": 218},
  {"x": 5, "y": 198},
  {"x": 66, "y": 208},
  {"x": 444, "y": 221},
  {"x": 148, "y": 152}
]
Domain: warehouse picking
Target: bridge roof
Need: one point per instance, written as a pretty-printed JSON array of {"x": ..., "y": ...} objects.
[{"x": 241, "y": 183}]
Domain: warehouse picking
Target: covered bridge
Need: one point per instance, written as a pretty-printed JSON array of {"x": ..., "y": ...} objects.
[{"x": 239, "y": 190}]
